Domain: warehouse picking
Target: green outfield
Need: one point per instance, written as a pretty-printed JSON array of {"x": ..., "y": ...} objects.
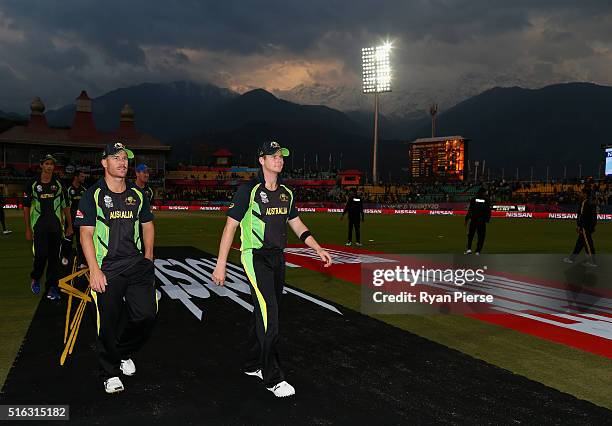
[{"x": 582, "y": 374}]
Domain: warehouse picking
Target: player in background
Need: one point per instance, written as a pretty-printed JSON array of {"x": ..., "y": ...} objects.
[
  {"x": 45, "y": 208},
  {"x": 75, "y": 193},
  {"x": 585, "y": 227},
  {"x": 142, "y": 181},
  {"x": 478, "y": 215},
  {"x": 5, "y": 230},
  {"x": 354, "y": 208}
]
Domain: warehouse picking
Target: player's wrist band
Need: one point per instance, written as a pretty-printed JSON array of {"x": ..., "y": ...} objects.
[{"x": 305, "y": 235}]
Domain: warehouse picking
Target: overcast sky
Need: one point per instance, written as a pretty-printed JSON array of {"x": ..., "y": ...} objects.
[{"x": 53, "y": 49}]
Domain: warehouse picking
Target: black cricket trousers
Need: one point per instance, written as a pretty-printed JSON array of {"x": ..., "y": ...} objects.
[
  {"x": 46, "y": 247},
  {"x": 266, "y": 273},
  {"x": 480, "y": 228},
  {"x": 585, "y": 240},
  {"x": 118, "y": 341},
  {"x": 357, "y": 225}
]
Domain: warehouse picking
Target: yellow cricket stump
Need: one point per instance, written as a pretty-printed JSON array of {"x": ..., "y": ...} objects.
[
  {"x": 66, "y": 285},
  {"x": 69, "y": 302}
]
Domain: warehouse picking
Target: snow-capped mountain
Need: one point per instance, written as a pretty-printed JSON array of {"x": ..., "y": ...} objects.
[{"x": 405, "y": 103}]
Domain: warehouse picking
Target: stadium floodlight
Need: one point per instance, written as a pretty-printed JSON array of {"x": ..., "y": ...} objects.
[
  {"x": 376, "y": 69},
  {"x": 376, "y": 79}
]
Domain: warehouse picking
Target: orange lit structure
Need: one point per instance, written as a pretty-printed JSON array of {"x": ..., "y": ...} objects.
[{"x": 440, "y": 158}]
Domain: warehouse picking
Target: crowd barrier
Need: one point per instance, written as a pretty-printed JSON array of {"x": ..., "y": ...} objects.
[
  {"x": 512, "y": 214},
  {"x": 524, "y": 215}
]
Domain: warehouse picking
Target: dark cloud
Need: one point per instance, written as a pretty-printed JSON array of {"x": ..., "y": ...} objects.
[
  {"x": 42, "y": 52},
  {"x": 103, "y": 44},
  {"x": 248, "y": 27}
]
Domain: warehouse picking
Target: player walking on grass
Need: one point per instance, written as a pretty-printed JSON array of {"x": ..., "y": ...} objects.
[
  {"x": 45, "y": 208},
  {"x": 262, "y": 208},
  {"x": 586, "y": 221},
  {"x": 121, "y": 275}
]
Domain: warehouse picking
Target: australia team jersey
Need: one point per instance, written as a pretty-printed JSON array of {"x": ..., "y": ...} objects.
[
  {"x": 263, "y": 215},
  {"x": 46, "y": 201},
  {"x": 75, "y": 194},
  {"x": 148, "y": 191},
  {"x": 116, "y": 218}
]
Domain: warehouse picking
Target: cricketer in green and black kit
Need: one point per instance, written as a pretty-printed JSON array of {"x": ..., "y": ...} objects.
[
  {"x": 75, "y": 193},
  {"x": 262, "y": 208},
  {"x": 45, "y": 208},
  {"x": 120, "y": 264}
]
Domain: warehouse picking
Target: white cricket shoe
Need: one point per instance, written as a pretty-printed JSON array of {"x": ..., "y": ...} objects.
[
  {"x": 282, "y": 389},
  {"x": 568, "y": 260},
  {"x": 256, "y": 373},
  {"x": 127, "y": 367},
  {"x": 7, "y": 231},
  {"x": 113, "y": 385},
  {"x": 468, "y": 251}
]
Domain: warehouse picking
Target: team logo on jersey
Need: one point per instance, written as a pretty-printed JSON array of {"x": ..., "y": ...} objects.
[
  {"x": 130, "y": 201},
  {"x": 53, "y": 187},
  {"x": 264, "y": 197},
  {"x": 284, "y": 197},
  {"x": 72, "y": 192},
  {"x": 108, "y": 201},
  {"x": 38, "y": 188},
  {"x": 79, "y": 214}
]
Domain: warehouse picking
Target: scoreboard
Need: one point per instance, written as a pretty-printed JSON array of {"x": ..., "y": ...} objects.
[{"x": 438, "y": 158}]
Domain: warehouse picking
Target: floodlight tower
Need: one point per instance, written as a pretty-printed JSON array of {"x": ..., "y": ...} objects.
[
  {"x": 376, "y": 79},
  {"x": 433, "y": 111}
]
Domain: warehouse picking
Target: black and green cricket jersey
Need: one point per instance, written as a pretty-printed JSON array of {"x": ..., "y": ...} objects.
[
  {"x": 147, "y": 191},
  {"x": 74, "y": 195},
  {"x": 116, "y": 218},
  {"x": 46, "y": 201},
  {"x": 263, "y": 214}
]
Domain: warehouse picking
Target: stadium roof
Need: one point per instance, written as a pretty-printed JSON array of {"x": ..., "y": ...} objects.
[
  {"x": 83, "y": 133},
  {"x": 22, "y": 135}
]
